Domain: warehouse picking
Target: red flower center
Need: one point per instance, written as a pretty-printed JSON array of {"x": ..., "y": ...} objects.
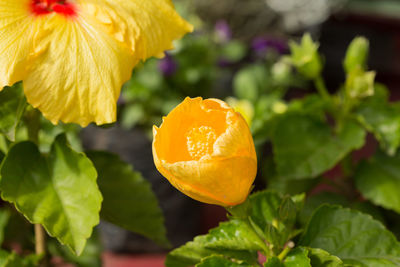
[{"x": 43, "y": 7}]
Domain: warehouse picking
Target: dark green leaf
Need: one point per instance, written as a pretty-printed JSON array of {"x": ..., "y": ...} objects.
[
  {"x": 297, "y": 257},
  {"x": 379, "y": 180},
  {"x": 287, "y": 211},
  {"x": 220, "y": 261},
  {"x": 12, "y": 107},
  {"x": 273, "y": 262},
  {"x": 354, "y": 237},
  {"x": 129, "y": 201},
  {"x": 314, "y": 201},
  {"x": 305, "y": 146},
  {"x": 58, "y": 191},
  {"x": 321, "y": 258},
  {"x": 264, "y": 208},
  {"x": 193, "y": 252},
  {"x": 383, "y": 120}
]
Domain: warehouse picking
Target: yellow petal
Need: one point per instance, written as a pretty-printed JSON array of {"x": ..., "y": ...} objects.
[
  {"x": 148, "y": 27},
  {"x": 77, "y": 71},
  {"x": 16, "y": 35}
]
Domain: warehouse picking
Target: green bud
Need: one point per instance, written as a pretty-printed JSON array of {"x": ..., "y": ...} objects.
[
  {"x": 360, "y": 84},
  {"x": 305, "y": 57},
  {"x": 356, "y": 55}
]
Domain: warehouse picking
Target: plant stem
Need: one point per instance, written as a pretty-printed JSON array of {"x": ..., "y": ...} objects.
[
  {"x": 32, "y": 120},
  {"x": 321, "y": 88},
  {"x": 286, "y": 250},
  {"x": 40, "y": 242}
]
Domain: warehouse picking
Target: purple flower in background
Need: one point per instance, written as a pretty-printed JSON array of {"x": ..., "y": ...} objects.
[
  {"x": 167, "y": 65},
  {"x": 262, "y": 45},
  {"x": 223, "y": 31}
]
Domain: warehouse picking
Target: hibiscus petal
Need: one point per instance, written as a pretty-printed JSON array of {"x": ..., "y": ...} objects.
[
  {"x": 77, "y": 71},
  {"x": 16, "y": 34},
  {"x": 148, "y": 27}
]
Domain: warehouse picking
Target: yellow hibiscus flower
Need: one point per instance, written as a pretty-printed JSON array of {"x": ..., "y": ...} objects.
[
  {"x": 205, "y": 149},
  {"x": 74, "y": 55}
]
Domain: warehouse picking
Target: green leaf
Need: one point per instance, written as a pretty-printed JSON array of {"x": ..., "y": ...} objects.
[
  {"x": 58, "y": 191},
  {"x": 378, "y": 179},
  {"x": 305, "y": 146},
  {"x": 264, "y": 207},
  {"x": 233, "y": 51},
  {"x": 220, "y": 261},
  {"x": 273, "y": 262},
  {"x": 383, "y": 120},
  {"x": 234, "y": 235},
  {"x": 128, "y": 201},
  {"x": 297, "y": 257},
  {"x": 250, "y": 81},
  {"x": 354, "y": 237},
  {"x": 321, "y": 258},
  {"x": 193, "y": 252},
  {"x": 315, "y": 201},
  {"x": 8, "y": 259},
  {"x": 12, "y": 107},
  {"x": 4, "y": 218}
]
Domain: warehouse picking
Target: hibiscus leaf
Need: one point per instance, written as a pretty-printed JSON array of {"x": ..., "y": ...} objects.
[
  {"x": 58, "y": 191},
  {"x": 354, "y": 237},
  {"x": 194, "y": 251},
  {"x": 12, "y": 107},
  {"x": 220, "y": 261},
  {"x": 129, "y": 201},
  {"x": 305, "y": 146},
  {"x": 378, "y": 179},
  {"x": 298, "y": 257},
  {"x": 321, "y": 258}
]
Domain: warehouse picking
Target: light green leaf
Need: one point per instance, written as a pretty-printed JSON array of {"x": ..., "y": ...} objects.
[
  {"x": 321, "y": 258},
  {"x": 220, "y": 261},
  {"x": 354, "y": 237},
  {"x": 378, "y": 179},
  {"x": 250, "y": 81},
  {"x": 383, "y": 120},
  {"x": 58, "y": 191},
  {"x": 129, "y": 201},
  {"x": 297, "y": 257},
  {"x": 12, "y": 107},
  {"x": 11, "y": 259},
  {"x": 193, "y": 252},
  {"x": 234, "y": 235},
  {"x": 305, "y": 146}
]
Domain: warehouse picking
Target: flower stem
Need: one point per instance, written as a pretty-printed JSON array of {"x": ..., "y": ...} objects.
[
  {"x": 321, "y": 88},
  {"x": 286, "y": 250},
  {"x": 40, "y": 241}
]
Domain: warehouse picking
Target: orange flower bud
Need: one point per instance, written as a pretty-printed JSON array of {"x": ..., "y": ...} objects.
[{"x": 205, "y": 149}]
